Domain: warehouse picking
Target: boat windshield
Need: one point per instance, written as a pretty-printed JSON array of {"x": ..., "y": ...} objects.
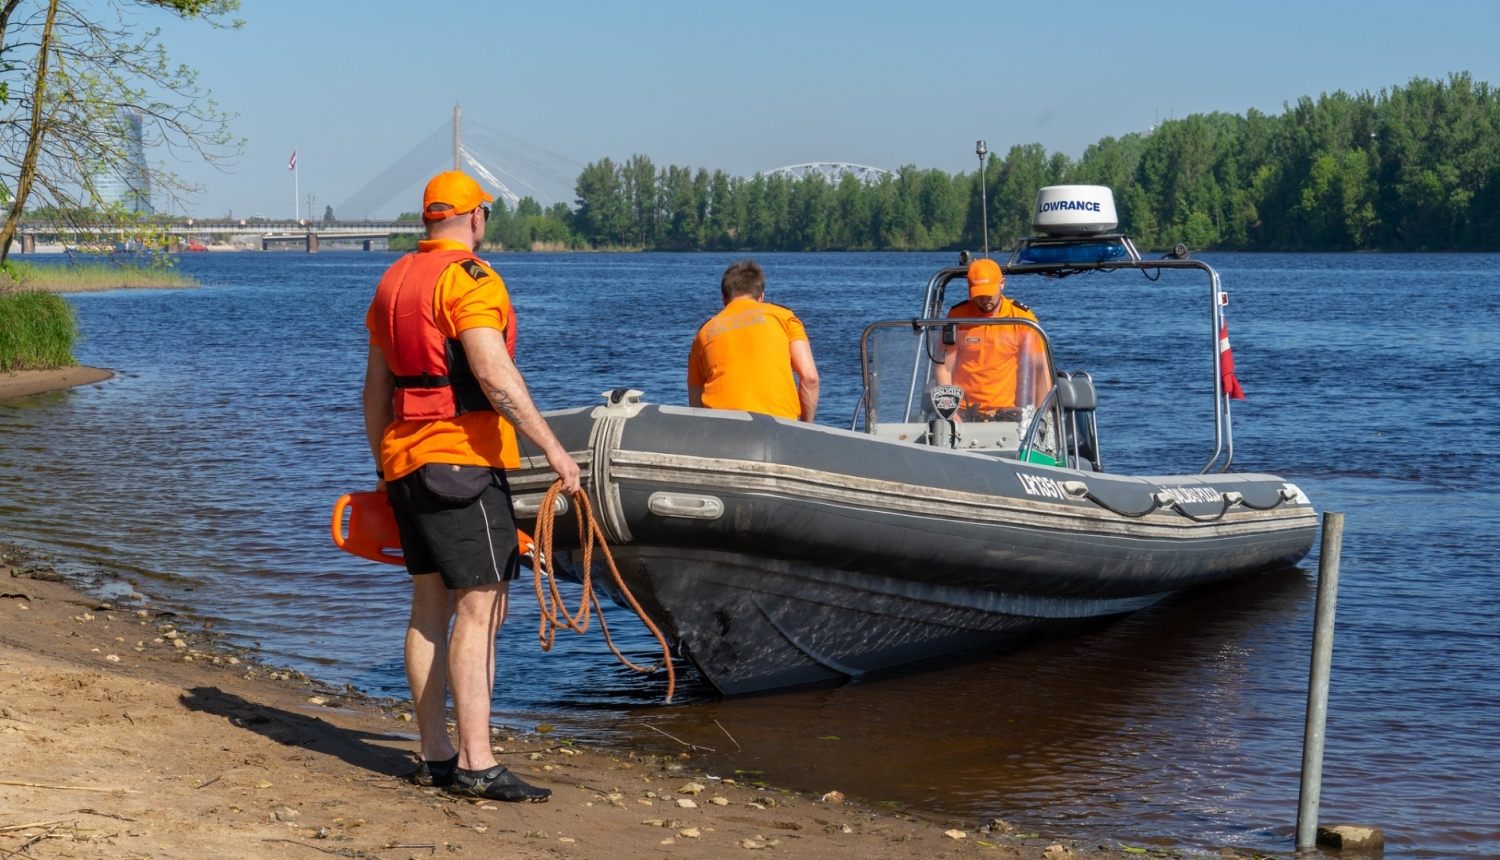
[{"x": 1003, "y": 367}]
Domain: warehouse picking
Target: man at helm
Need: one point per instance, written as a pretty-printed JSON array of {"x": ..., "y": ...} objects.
[
  {"x": 443, "y": 402},
  {"x": 1001, "y": 368}
]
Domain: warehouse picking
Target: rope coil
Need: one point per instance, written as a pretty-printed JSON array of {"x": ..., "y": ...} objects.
[{"x": 554, "y": 613}]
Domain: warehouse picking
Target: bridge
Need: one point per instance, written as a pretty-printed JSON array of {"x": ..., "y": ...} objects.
[
  {"x": 831, "y": 171},
  {"x": 271, "y": 233},
  {"x": 507, "y": 166}
]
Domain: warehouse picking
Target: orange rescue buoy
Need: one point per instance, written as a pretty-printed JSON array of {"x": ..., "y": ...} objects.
[{"x": 372, "y": 529}]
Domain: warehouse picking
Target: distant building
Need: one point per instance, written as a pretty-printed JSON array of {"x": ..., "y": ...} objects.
[{"x": 128, "y": 183}]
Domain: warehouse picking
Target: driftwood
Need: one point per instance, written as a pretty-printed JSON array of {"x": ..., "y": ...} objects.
[{"x": 61, "y": 787}]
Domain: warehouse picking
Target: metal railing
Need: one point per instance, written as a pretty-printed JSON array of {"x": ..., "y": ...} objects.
[{"x": 932, "y": 306}]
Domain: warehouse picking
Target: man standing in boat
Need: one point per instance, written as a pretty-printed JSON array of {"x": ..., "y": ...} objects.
[
  {"x": 745, "y": 357},
  {"x": 442, "y": 403},
  {"x": 997, "y": 366}
]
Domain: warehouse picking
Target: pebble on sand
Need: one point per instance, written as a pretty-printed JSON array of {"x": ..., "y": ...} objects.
[
  {"x": 1057, "y": 852},
  {"x": 113, "y": 658},
  {"x": 689, "y": 833},
  {"x": 691, "y": 788},
  {"x": 833, "y": 797},
  {"x": 686, "y": 803},
  {"x": 720, "y": 801},
  {"x": 955, "y": 834}
]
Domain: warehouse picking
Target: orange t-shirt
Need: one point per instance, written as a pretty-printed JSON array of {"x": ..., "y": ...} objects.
[
  {"x": 742, "y": 358},
  {"x": 461, "y": 302},
  {"x": 989, "y": 356}
]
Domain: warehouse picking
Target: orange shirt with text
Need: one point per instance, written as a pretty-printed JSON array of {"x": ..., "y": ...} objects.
[
  {"x": 989, "y": 356},
  {"x": 742, "y": 358},
  {"x": 460, "y": 302}
]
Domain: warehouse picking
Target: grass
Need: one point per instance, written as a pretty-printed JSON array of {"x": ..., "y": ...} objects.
[
  {"x": 37, "y": 331},
  {"x": 93, "y": 277}
]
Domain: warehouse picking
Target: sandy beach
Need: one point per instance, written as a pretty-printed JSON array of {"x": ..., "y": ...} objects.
[
  {"x": 23, "y": 382},
  {"x": 128, "y": 732}
]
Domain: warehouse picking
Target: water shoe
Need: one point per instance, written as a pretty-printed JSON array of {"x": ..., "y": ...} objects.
[
  {"x": 497, "y": 783},
  {"x": 435, "y": 773}
]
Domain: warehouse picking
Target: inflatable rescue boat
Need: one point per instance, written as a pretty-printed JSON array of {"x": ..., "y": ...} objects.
[{"x": 777, "y": 553}]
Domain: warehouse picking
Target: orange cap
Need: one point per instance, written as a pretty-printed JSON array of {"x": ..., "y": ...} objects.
[
  {"x": 985, "y": 278},
  {"x": 456, "y": 189}
]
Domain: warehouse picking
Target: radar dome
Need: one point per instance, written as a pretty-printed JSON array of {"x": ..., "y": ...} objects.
[{"x": 1074, "y": 210}]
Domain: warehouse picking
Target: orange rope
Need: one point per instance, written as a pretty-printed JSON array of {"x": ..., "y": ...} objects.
[{"x": 554, "y": 613}]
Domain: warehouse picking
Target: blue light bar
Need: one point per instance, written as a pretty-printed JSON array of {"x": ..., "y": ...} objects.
[{"x": 1073, "y": 253}]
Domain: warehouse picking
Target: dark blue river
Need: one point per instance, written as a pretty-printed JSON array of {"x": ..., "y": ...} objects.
[{"x": 204, "y": 476}]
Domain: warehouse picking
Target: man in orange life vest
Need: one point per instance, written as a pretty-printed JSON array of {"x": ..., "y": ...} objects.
[
  {"x": 1001, "y": 368},
  {"x": 745, "y": 356},
  {"x": 438, "y": 382}
]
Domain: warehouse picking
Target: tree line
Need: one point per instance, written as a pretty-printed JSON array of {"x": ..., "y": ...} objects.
[{"x": 1406, "y": 168}]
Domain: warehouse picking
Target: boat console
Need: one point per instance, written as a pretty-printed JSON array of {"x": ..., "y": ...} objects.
[{"x": 905, "y": 400}]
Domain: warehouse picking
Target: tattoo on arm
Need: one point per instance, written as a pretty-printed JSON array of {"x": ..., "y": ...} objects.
[{"x": 505, "y": 406}]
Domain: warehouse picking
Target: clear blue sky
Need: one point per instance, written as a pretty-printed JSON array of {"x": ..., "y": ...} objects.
[{"x": 353, "y": 84}]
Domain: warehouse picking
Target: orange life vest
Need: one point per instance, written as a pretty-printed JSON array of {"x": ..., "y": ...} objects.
[{"x": 433, "y": 379}]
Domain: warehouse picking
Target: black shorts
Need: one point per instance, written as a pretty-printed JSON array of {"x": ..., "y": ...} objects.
[{"x": 457, "y": 521}]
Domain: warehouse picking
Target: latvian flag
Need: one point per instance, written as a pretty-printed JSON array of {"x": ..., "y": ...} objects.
[
  {"x": 292, "y": 165},
  {"x": 1226, "y": 361}
]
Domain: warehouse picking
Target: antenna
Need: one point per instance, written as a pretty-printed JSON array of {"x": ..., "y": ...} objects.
[
  {"x": 457, "y": 140},
  {"x": 984, "y": 205}
]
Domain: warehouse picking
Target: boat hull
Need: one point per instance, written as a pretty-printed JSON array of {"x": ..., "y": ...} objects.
[{"x": 775, "y": 553}]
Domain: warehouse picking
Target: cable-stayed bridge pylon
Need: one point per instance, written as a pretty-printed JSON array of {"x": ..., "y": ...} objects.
[{"x": 507, "y": 166}]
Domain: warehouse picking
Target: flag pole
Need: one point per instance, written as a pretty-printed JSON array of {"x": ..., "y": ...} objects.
[{"x": 296, "y": 188}]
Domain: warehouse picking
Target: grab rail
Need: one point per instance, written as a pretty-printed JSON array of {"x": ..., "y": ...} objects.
[{"x": 1223, "y": 426}]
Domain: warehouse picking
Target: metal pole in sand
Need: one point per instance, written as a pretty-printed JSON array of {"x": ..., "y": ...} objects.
[{"x": 1317, "y": 684}]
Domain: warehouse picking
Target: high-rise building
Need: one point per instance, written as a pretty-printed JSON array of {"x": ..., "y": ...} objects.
[{"x": 128, "y": 183}]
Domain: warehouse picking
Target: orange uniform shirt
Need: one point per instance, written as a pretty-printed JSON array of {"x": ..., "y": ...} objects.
[
  {"x": 461, "y": 302},
  {"x": 742, "y": 358},
  {"x": 989, "y": 357}
]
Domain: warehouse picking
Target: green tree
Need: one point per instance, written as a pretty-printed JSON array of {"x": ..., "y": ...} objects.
[
  {"x": 87, "y": 89},
  {"x": 1412, "y": 167}
]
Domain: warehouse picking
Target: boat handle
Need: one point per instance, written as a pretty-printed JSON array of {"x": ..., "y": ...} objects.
[
  {"x": 685, "y": 505},
  {"x": 527, "y": 507}
]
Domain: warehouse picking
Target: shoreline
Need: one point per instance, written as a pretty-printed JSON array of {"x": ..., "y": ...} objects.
[
  {"x": 21, "y": 383},
  {"x": 161, "y": 740}
]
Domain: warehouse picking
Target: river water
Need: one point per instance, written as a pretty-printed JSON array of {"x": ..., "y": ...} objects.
[{"x": 205, "y": 473}]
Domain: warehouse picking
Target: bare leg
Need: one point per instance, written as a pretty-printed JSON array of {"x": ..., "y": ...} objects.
[
  {"x": 426, "y": 662},
  {"x": 471, "y": 669}
]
